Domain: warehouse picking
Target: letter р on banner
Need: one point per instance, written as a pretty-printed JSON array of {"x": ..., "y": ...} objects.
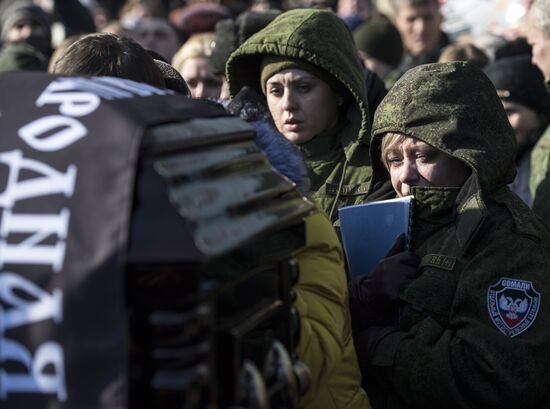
[{"x": 68, "y": 153}]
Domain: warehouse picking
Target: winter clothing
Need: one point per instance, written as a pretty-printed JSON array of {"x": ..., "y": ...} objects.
[
  {"x": 25, "y": 10},
  {"x": 518, "y": 80},
  {"x": 282, "y": 154},
  {"x": 378, "y": 38},
  {"x": 172, "y": 78},
  {"x": 22, "y": 56},
  {"x": 374, "y": 294},
  {"x": 377, "y": 92},
  {"x": 472, "y": 327},
  {"x": 20, "y": 11},
  {"x": 337, "y": 160},
  {"x": 520, "y": 185},
  {"x": 272, "y": 65},
  {"x": 410, "y": 61},
  {"x": 230, "y": 34},
  {"x": 198, "y": 17},
  {"x": 326, "y": 344},
  {"x": 539, "y": 180}
]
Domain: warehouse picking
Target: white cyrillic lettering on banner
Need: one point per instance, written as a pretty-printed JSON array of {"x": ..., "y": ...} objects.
[
  {"x": 71, "y": 131},
  {"x": 35, "y": 380},
  {"x": 52, "y": 181},
  {"x": 70, "y": 103},
  {"x": 30, "y": 303},
  {"x": 29, "y": 252}
]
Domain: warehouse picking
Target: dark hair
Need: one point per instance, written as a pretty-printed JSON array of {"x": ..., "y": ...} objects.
[
  {"x": 464, "y": 52},
  {"x": 107, "y": 54}
]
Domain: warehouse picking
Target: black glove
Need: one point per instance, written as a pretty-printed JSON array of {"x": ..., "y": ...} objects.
[
  {"x": 374, "y": 297},
  {"x": 366, "y": 342}
]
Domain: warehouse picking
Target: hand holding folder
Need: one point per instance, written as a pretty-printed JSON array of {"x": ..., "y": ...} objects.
[
  {"x": 369, "y": 230},
  {"x": 374, "y": 297}
]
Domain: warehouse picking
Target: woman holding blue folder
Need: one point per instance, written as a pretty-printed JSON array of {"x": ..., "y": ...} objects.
[{"x": 461, "y": 320}]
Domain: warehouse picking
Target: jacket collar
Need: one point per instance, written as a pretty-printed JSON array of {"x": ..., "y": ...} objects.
[{"x": 442, "y": 205}]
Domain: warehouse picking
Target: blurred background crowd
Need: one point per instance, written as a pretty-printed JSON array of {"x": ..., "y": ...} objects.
[
  {"x": 191, "y": 41},
  {"x": 391, "y": 36}
]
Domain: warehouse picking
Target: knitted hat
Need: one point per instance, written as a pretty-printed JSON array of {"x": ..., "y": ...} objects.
[
  {"x": 172, "y": 78},
  {"x": 271, "y": 65},
  {"x": 517, "y": 80},
  {"x": 379, "y": 38}
]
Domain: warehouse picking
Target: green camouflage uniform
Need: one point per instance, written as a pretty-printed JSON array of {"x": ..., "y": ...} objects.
[
  {"x": 338, "y": 164},
  {"x": 472, "y": 329},
  {"x": 539, "y": 181}
]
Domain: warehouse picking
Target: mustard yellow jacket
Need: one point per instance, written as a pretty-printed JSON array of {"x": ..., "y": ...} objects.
[{"x": 326, "y": 344}]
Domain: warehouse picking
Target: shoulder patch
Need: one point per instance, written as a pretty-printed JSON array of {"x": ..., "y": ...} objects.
[{"x": 513, "y": 305}]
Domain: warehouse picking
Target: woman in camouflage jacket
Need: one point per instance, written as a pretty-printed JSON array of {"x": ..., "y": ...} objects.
[{"x": 471, "y": 329}]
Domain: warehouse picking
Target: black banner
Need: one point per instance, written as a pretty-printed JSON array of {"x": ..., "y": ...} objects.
[{"x": 68, "y": 152}]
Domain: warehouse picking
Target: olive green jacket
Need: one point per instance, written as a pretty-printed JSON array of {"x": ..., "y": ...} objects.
[
  {"x": 473, "y": 330},
  {"x": 539, "y": 181},
  {"x": 338, "y": 165},
  {"x": 326, "y": 345}
]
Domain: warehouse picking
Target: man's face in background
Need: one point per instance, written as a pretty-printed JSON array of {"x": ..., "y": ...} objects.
[{"x": 419, "y": 26}]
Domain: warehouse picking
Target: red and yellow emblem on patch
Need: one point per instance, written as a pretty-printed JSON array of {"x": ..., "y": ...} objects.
[{"x": 513, "y": 305}]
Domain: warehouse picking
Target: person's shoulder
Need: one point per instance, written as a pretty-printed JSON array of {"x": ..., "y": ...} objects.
[
  {"x": 22, "y": 56},
  {"x": 512, "y": 220}
]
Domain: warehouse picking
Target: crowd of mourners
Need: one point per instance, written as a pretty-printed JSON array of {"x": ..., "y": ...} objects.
[{"x": 367, "y": 101}]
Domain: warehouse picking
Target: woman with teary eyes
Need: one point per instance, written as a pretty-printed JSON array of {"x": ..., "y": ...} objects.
[
  {"x": 460, "y": 319},
  {"x": 305, "y": 68},
  {"x": 306, "y": 65}
]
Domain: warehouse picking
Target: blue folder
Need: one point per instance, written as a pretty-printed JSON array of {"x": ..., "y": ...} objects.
[{"x": 369, "y": 230}]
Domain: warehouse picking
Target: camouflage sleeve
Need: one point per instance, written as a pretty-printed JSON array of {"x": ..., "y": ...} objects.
[
  {"x": 491, "y": 348},
  {"x": 541, "y": 204},
  {"x": 539, "y": 162}
]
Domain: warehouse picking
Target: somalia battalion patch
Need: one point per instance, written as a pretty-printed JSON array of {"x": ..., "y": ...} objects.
[{"x": 513, "y": 305}]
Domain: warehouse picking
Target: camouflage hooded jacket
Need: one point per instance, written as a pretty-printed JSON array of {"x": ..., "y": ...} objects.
[
  {"x": 472, "y": 330},
  {"x": 338, "y": 165},
  {"x": 539, "y": 181}
]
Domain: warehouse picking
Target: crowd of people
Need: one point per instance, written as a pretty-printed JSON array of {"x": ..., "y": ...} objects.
[{"x": 371, "y": 106}]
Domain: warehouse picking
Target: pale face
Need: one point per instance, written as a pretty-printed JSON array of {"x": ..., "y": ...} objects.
[
  {"x": 157, "y": 35},
  {"x": 419, "y": 27},
  {"x": 201, "y": 84},
  {"x": 523, "y": 119},
  {"x": 541, "y": 48},
  {"x": 354, "y": 7},
  {"x": 415, "y": 163},
  {"x": 301, "y": 105}
]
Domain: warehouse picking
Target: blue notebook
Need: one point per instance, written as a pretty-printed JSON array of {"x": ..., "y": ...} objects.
[{"x": 369, "y": 230}]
